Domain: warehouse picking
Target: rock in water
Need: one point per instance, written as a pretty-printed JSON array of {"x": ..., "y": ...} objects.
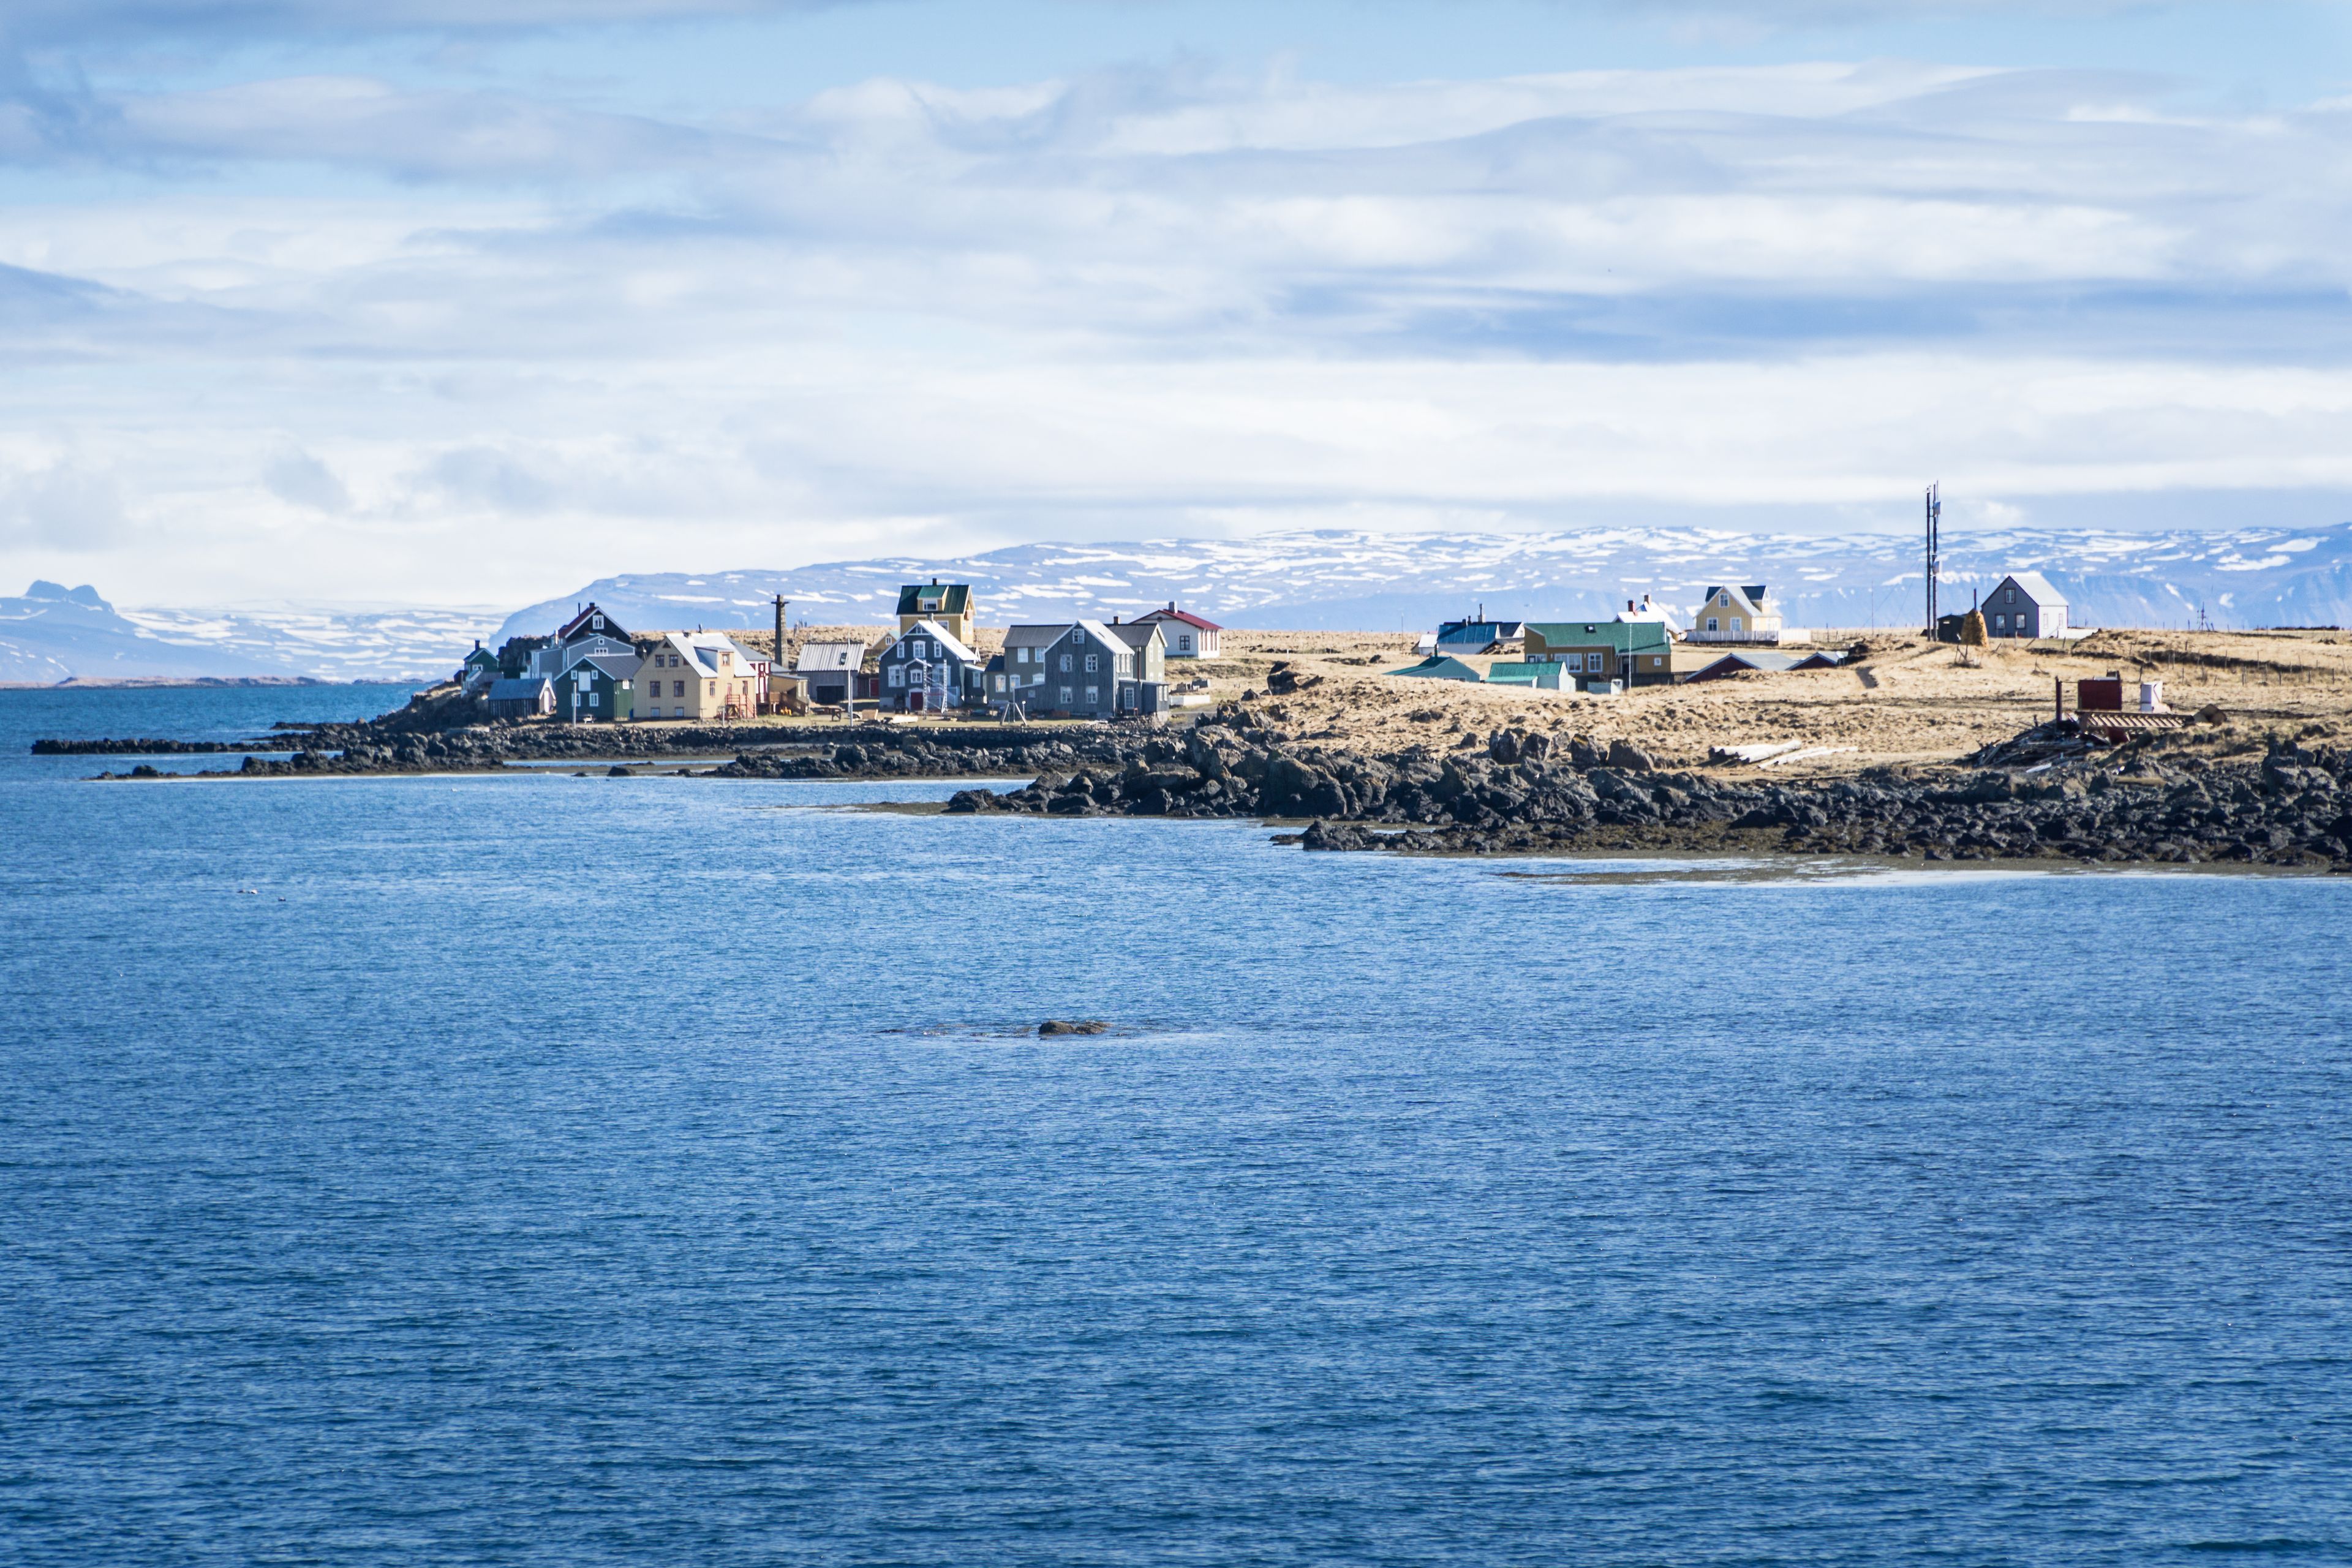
[{"x": 1075, "y": 1026}]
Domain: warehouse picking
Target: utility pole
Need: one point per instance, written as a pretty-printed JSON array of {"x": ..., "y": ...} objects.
[{"x": 1935, "y": 527}]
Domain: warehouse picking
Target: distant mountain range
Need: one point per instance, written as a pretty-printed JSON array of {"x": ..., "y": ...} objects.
[
  {"x": 1324, "y": 580},
  {"x": 1387, "y": 582},
  {"x": 53, "y": 633}
]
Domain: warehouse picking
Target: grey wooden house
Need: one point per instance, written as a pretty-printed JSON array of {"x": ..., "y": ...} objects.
[{"x": 1083, "y": 670}]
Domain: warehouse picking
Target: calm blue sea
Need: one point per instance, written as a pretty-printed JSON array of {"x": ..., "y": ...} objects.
[{"x": 584, "y": 1171}]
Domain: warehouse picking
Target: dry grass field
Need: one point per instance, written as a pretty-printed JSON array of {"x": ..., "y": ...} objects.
[{"x": 1906, "y": 701}]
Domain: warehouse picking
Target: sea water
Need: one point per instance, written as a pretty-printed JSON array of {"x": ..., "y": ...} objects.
[{"x": 561, "y": 1170}]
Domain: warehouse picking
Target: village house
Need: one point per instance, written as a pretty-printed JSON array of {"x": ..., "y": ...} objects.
[
  {"x": 2024, "y": 604},
  {"x": 1738, "y": 614},
  {"x": 1083, "y": 670},
  {"x": 703, "y": 675},
  {"x": 830, "y": 670},
  {"x": 1477, "y": 634},
  {"x": 1632, "y": 653},
  {"x": 479, "y": 670},
  {"x": 949, "y": 603},
  {"x": 599, "y": 689},
  {"x": 1188, "y": 635},
  {"x": 1540, "y": 675},
  {"x": 1149, "y": 640},
  {"x": 589, "y": 633},
  {"x": 926, "y": 669},
  {"x": 522, "y": 697}
]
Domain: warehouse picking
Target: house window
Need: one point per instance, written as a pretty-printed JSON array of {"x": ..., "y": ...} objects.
[
  {"x": 598, "y": 623},
  {"x": 2009, "y": 595},
  {"x": 1066, "y": 667},
  {"x": 1723, "y": 601},
  {"x": 592, "y": 699},
  {"x": 1020, "y": 656},
  {"x": 2000, "y": 623},
  {"x": 1094, "y": 696},
  {"x": 1710, "y": 623},
  {"x": 1091, "y": 664},
  {"x": 710, "y": 688},
  {"x": 1065, "y": 696},
  {"x": 1184, "y": 642},
  {"x": 898, "y": 675},
  {"x": 1737, "y": 624},
  {"x": 678, "y": 688}
]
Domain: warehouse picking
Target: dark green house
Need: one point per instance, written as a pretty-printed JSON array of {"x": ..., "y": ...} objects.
[{"x": 599, "y": 689}]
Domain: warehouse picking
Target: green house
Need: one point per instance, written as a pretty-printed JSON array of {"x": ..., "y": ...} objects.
[
  {"x": 1545, "y": 676},
  {"x": 1638, "y": 653},
  {"x": 599, "y": 689}
]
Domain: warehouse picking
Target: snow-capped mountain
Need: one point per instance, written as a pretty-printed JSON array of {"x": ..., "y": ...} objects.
[
  {"x": 53, "y": 633},
  {"x": 1307, "y": 582},
  {"x": 1328, "y": 581}
]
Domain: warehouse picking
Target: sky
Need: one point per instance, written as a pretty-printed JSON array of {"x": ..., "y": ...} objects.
[{"x": 473, "y": 301}]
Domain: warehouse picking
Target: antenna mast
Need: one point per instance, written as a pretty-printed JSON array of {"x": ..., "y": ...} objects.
[{"x": 1935, "y": 529}]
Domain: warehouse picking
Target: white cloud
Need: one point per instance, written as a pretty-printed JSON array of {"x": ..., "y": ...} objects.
[{"x": 576, "y": 342}]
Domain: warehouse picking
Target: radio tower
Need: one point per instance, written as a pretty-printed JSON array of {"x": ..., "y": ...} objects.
[{"x": 1935, "y": 527}]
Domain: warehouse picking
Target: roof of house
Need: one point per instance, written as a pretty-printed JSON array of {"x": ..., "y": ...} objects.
[
  {"x": 619, "y": 666},
  {"x": 1047, "y": 636},
  {"x": 1137, "y": 634},
  {"x": 1623, "y": 637},
  {"x": 751, "y": 656},
  {"x": 2037, "y": 587},
  {"x": 816, "y": 658},
  {"x": 1752, "y": 596},
  {"x": 1043, "y": 636},
  {"x": 700, "y": 646},
  {"x": 1440, "y": 668},
  {"x": 1173, "y": 613},
  {"x": 1767, "y": 661},
  {"x": 518, "y": 689},
  {"x": 1517, "y": 671},
  {"x": 585, "y": 621},
  {"x": 1494, "y": 631},
  {"x": 941, "y": 635},
  {"x": 935, "y": 598}
]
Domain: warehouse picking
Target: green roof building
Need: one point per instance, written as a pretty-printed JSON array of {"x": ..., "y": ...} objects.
[{"x": 1635, "y": 652}]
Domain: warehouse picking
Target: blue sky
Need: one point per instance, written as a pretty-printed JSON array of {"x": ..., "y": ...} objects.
[{"x": 453, "y": 303}]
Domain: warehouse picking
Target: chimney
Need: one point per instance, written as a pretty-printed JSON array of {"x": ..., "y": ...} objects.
[{"x": 1628, "y": 606}]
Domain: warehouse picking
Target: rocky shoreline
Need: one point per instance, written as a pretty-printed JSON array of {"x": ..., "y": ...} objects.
[
  {"x": 2048, "y": 795},
  {"x": 1520, "y": 794}
]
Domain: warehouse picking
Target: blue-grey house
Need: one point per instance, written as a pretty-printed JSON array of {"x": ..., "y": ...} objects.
[{"x": 930, "y": 670}]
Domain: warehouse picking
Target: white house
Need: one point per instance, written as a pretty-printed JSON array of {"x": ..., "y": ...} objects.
[
  {"x": 2024, "y": 604},
  {"x": 1188, "y": 635}
]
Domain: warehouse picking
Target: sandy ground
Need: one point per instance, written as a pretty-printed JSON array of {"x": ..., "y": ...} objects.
[{"x": 1906, "y": 701}]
